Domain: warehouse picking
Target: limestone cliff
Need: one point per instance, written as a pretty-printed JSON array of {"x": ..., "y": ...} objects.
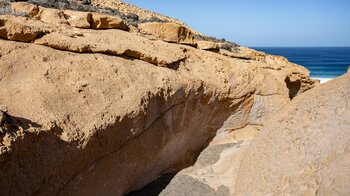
[{"x": 96, "y": 105}]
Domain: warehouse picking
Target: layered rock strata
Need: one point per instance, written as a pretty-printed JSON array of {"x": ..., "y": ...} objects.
[{"x": 104, "y": 112}]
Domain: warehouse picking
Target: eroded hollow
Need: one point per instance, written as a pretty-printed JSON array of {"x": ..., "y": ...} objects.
[
  {"x": 170, "y": 142},
  {"x": 155, "y": 187},
  {"x": 293, "y": 86},
  {"x": 122, "y": 157}
]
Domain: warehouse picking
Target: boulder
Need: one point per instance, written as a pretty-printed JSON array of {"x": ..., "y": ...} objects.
[
  {"x": 18, "y": 29},
  {"x": 104, "y": 21},
  {"x": 27, "y": 8},
  {"x": 52, "y": 16},
  {"x": 299, "y": 83},
  {"x": 169, "y": 32},
  {"x": 78, "y": 19},
  {"x": 207, "y": 45}
]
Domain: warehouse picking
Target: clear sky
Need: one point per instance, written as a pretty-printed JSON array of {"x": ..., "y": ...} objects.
[{"x": 263, "y": 22}]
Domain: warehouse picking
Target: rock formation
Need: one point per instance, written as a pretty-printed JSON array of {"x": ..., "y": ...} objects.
[
  {"x": 303, "y": 150},
  {"x": 102, "y": 100},
  {"x": 310, "y": 153},
  {"x": 169, "y": 32}
]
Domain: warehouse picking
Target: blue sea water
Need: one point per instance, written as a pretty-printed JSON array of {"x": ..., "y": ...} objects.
[{"x": 323, "y": 62}]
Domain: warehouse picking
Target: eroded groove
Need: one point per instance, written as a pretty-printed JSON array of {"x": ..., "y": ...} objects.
[
  {"x": 139, "y": 138},
  {"x": 131, "y": 122},
  {"x": 135, "y": 137},
  {"x": 122, "y": 146}
]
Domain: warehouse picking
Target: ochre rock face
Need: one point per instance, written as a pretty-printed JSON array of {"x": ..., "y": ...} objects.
[
  {"x": 52, "y": 16},
  {"x": 104, "y": 112},
  {"x": 27, "y": 8},
  {"x": 306, "y": 151},
  {"x": 15, "y": 29},
  {"x": 207, "y": 45},
  {"x": 303, "y": 149},
  {"x": 78, "y": 19},
  {"x": 127, "y": 8},
  {"x": 73, "y": 18},
  {"x": 169, "y": 32},
  {"x": 104, "y": 21},
  {"x": 216, "y": 169},
  {"x": 116, "y": 43}
]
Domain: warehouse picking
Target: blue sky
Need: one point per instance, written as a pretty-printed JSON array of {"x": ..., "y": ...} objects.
[{"x": 263, "y": 22}]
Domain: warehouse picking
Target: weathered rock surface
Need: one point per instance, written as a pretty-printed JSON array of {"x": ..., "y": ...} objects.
[
  {"x": 27, "y": 8},
  {"x": 52, "y": 16},
  {"x": 302, "y": 150},
  {"x": 117, "y": 43},
  {"x": 307, "y": 150},
  {"x": 169, "y": 32},
  {"x": 104, "y": 21},
  {"x": 80, "y": 101},
  {"x": 216, "y": 169},
  {"x": 207, "y": 45},
  {"x": 78, "y": 19},
  {"x": 298, "y": 82},
  {"x": 73, "y": 18},
  {"x": 17, "y": 29},
  {"x": 104, "y": 112},
  {"x": 127, "y": 8}
]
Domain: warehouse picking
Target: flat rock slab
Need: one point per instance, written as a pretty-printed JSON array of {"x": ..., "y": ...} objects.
[{"x": 118, "y": 43}]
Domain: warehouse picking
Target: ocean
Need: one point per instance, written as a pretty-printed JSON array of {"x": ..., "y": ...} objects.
[{"x": 323, "y": 62}]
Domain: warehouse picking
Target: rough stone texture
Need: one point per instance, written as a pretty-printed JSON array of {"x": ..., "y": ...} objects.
[
  {"x": 306, "y": 151},
  {"x": 23, "y": 7},
  {"x": 216, "y": 169},
  {"x": 104, "y": 21},
  {"x": 250, "y": 54},
  {"x": 118, "y": 43},
  {"x": 78, "y": 19},
  {"x": 52, "y": 16},
  {"x": 103, "y": 112},
  {"x": 107, "y": 118},
  {"x": 18, "y": 29},
  {"x": 127, "y": 8},
  {"x": 207, "y": 45},
  {"x": 87, "y": 120},
  {"x": 298, "y": 83},
  {"x": 193, "y": 187},
  {"x": 69, "y": 17},
  {"x": 301, "y": 150},
  {"x": 218, "y": 165},
  {"x": 169, "y": 32}
]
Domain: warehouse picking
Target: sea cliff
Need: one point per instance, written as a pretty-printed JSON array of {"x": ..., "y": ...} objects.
[{"x": 102, "y": 98}]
